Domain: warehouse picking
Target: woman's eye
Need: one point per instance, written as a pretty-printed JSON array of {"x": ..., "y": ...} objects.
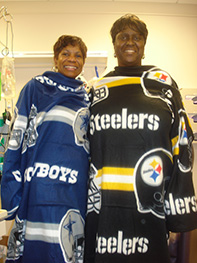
[
  {"x": 137, "y": 38},
  {"x": 123, "y": 37}
]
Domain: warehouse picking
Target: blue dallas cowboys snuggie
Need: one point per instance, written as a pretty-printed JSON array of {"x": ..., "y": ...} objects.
[{"x": 46, "y": 170}]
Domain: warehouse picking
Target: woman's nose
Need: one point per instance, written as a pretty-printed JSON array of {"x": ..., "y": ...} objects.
[
  {"x": 72, "y": 58},
  {"x": 130, "y": 40}
]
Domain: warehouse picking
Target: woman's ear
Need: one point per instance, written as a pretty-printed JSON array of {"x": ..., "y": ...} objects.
[
  {"x": 55, "y": 67},
  {"x": 55, "y": 61}
]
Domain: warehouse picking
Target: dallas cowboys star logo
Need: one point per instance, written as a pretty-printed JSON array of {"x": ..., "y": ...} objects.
[{"x": 69, "y": 226}]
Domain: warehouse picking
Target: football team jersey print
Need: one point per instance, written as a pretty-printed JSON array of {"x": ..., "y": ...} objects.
[
  {"x": 141, "y": 167},
  {"x": 44, "y": 183}
]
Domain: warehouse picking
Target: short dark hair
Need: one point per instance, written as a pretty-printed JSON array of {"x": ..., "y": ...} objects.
[
  {"x": 66, "y": 40},
  {"x": 128, "y": 20}
]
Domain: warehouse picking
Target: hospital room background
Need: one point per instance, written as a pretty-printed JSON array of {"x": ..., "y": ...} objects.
[{"x": 28, "y": 30}]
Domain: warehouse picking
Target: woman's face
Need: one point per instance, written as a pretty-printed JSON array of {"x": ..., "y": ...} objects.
[
  {"x": 129, "y": 47},
  {"x": 70, "y": 61}
]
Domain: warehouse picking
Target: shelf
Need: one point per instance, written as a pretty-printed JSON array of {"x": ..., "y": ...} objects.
[
  {"x": 33, "y": 59},
  {"x": 41, "y": 61}
]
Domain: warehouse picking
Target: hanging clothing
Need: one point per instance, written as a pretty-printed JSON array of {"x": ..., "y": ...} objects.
[
  {"x": 141, "y": 167},
  {"x": 45, "y": 173}
]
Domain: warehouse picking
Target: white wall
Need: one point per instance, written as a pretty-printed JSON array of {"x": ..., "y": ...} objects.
[{"x": 171, "y": 44}]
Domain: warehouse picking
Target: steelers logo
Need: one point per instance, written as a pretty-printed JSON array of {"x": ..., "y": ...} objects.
[
  {"x": 152, "y": 171},
  {"x": 150, "y": 177}
]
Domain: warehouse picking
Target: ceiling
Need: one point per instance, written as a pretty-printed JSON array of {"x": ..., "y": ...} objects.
[
  {"x": 162, "y": 7},
  {"x": 134, "y": 1}
]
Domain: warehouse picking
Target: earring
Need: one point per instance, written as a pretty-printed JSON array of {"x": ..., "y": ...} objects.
[
  {"x": 115, "y": 55},
  {"x": 143, "y": 57},
  {"x": 54, "y": 68}
]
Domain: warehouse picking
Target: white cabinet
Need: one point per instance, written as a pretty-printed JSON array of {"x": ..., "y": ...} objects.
[{"x": 3, "y": 214}]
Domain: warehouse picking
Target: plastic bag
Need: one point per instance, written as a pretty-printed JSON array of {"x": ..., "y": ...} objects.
[{"x": 8, "y": 78}]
